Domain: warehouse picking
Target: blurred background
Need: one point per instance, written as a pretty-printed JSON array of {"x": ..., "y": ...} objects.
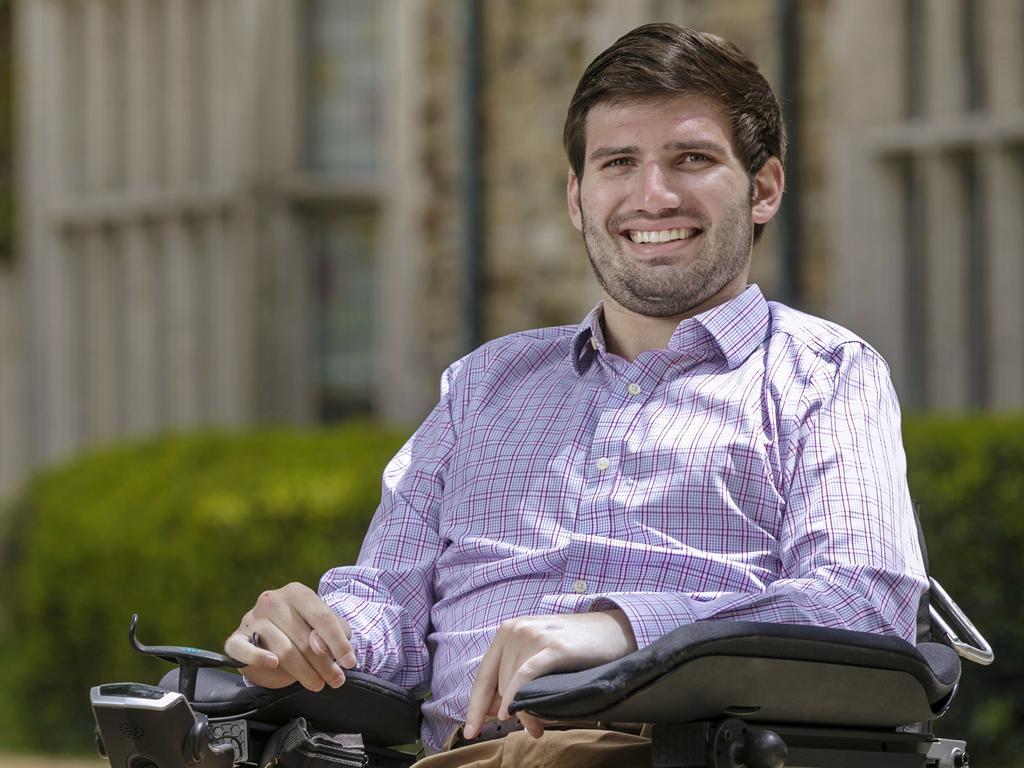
[{"x": 219, "y": 217}]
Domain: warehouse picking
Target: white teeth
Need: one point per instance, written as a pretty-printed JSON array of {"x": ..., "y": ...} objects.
[{"x": 660, "y": 236}]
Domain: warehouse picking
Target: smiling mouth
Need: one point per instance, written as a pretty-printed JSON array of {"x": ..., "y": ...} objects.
[{"x": 656, "y": 236}]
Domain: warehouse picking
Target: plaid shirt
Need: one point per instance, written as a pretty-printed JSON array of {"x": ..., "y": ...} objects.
[{"x": 753, "y": 470}]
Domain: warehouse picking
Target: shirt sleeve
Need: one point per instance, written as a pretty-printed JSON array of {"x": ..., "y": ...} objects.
[
  {"x": 850, "y": 555},
  {"x": 387, "y": 595}
]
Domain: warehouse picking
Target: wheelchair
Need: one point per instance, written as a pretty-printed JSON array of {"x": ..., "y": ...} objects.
[{"x": 718, "y": 694}]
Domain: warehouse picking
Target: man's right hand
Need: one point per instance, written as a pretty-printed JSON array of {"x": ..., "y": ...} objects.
[{"x": 300, "y": 639}]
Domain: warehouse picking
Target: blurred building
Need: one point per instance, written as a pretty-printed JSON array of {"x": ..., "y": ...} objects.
[{"x": 234, "y": 212}]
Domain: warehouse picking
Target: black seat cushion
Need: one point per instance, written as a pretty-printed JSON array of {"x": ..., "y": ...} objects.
[
  {"x": 384, "y": 713},
  {"x": 760, "y": 671}
]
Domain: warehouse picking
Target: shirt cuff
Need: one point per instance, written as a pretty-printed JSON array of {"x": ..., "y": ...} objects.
[{"x": 651, "y": 615}]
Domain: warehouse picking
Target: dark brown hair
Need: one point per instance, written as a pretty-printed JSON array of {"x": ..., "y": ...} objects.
[{"x": 666, "y": 59}]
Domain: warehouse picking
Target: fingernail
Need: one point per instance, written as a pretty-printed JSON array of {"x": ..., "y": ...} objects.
[
  {"x": 335, "y": 682},
  {"x": 348, "y": 660}
]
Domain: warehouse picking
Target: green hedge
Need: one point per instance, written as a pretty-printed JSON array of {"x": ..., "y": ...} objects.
[
  {"x": 184, "y": 530},
  {"x": 968, "y": 476},
  {"x": 188, "y": 530}
]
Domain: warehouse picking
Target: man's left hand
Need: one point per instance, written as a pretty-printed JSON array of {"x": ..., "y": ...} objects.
[{"x": 530, "y": 646}]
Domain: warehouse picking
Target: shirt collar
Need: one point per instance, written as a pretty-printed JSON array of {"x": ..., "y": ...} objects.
[
  {"x": 730, "y": 331},
  {"x": 589, "y": 339}
]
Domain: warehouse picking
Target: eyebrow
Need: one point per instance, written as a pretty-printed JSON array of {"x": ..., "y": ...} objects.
[
  {"x": 681, "y": 146},
  {"x": 704, "y": 144},
  {"x": 603, "y": 152}
]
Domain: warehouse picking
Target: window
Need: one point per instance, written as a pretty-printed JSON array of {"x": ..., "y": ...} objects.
[
  {"x": 930, "y": 234},
  {"x": 338, "y": 196},
  {"x": 342, "y": 244}
]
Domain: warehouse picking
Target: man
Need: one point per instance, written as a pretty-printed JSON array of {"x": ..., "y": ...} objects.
[{"x": 689, "y": 452}]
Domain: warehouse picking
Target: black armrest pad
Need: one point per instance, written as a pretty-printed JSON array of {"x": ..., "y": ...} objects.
[
  {"x": 383, "y": 712},
  {"x": 709, "y": 669}
]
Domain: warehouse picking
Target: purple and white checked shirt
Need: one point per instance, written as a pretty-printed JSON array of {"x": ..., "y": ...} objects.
[{"x": 753, "y": 470}]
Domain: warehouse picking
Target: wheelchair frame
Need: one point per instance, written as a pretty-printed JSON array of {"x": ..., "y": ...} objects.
[{"x": 207, "y": 718}]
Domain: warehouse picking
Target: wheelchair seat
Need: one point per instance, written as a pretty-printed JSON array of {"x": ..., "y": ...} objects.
[
  {"x": 774, "y": 694},
  {"x": 760, "y": 671}
]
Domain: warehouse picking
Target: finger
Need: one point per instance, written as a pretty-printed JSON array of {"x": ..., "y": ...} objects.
[
  {"x": 533, "y": 724},
  {"x": 261, "y": 666},
  {"x": 482, "y": 694},
  {"x": 267, "y": 678},
  {"x": 492, "y": 709},
  {"x": 511, "y": 660},
  {"x": 330, "y": 628},
  {"x": 540, "y": 663},
  {"x": 320, "y": 648},
  {"x": 293, "y": 658},
  {"x": 318, "y": 645},
  {"x": 510, "y": 665},
  {"x": 299, "y": 635},
  {"x": 239, "y": 647},
  {"x": 294, "y": 627}
]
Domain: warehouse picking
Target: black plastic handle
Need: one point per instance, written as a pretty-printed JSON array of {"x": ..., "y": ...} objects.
[{"x": 189, "y": 660}]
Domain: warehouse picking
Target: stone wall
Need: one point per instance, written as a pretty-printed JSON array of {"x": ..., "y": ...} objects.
[
  {"x": 816, "y": 247},
  {"x": 441, "y": 226},
  {"x": 12, "y": 400},
  {"x": 537, "y": 270}
]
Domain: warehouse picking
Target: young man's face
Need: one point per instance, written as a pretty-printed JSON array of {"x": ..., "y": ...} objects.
[{"x": 665, "y": 205}]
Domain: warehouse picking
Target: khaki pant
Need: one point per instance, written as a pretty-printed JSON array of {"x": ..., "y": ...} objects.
[{"x": 579, "y": 748}]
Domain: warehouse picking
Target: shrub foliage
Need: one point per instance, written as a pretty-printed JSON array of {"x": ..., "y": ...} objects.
[
  {"x": 188, "y": 530},
  {"x": 968, "y": 476}
]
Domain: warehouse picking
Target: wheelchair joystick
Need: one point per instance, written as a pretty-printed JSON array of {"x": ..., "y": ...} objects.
[{"x": 189, "y": 660}]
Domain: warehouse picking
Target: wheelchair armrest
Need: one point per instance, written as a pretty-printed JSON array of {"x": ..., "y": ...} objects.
[
  {"x": 761, "y": 672},
  {"x": 383, "y": 712}
]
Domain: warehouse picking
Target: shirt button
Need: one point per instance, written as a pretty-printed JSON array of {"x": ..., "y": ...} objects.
[
  {"x": 603, "y": 463},
  {"x": 633, "y": 389},
  {"x": 579, "y": 586},
  {"x": 593, "y": 342}
]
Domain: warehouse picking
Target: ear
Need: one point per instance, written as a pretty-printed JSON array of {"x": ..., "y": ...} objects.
[
  {"x": 768, "y": 187},
  {"x": 572, "y": 193}
]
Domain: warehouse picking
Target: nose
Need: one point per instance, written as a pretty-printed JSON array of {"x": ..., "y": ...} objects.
[{"x": 654, "y": 191}]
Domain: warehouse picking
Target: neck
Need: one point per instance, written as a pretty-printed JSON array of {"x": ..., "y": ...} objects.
[{"x": 628, "y": 333}]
